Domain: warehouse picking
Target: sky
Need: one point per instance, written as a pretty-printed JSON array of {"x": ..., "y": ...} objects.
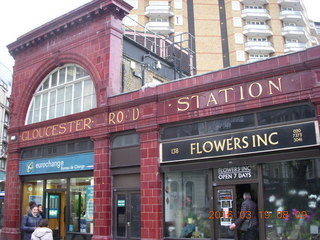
[{"x": 18, "y": 17}]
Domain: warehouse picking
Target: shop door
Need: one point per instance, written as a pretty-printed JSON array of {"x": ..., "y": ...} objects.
[
  {"x": 127, "y": 215},
  {"x": 227, "y": 207},
  {"x": 224, "y": 204},
  {"x": 55, "y": 212}
]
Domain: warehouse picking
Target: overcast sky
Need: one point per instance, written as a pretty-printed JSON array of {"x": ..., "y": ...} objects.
[{"x": 18, "y": 17}]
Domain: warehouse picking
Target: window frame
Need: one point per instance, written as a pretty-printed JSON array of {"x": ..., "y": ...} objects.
[{"x": 49, "y": 91}]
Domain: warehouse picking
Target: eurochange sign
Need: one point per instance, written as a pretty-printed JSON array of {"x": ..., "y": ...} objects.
[
  {"x": 66, "y": 163},
  {"x": 259, "y": 140}
]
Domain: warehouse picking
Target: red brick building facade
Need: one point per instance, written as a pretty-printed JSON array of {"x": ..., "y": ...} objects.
[{"x": 279, "y": 95}]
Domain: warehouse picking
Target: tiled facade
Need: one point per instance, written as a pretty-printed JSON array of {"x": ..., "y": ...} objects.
[{"x": 91, "y": 37}]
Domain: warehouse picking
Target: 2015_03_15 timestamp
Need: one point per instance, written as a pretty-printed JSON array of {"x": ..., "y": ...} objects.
[{"x": 260, "y": 214}]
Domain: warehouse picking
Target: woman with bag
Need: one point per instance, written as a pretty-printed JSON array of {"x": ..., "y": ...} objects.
[{"x": 248, "y": 220}]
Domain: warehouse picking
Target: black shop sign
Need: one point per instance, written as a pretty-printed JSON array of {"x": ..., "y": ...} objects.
[{"x": 260, "y": 140}]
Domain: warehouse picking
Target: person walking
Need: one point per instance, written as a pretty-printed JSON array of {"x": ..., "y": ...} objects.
[
  {"x": 30, "y": 221},
  {"x": 248, "y": 211},
  {"x": 42, "y": 232}
]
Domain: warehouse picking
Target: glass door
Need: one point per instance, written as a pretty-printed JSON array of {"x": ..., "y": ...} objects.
[
  {"x": 224, "y": 212},
  {"x": 127, "y": 215}
]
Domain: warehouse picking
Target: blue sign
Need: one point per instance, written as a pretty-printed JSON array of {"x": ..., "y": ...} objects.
[
  {"x": 67, "y": 163},
  {"x": 89, "y": 201}
]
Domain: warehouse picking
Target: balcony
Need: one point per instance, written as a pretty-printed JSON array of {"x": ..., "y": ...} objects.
[
  {"x": 160, "y": 27},
  {"x": 259, "y": 47},
  {"x": 295, "y": 4},
  {"x": 254, "y": 2},
  {"x": 294, "y": 47},
  {"x": 252, "y": 30},
  {"x": 296, "y": 17},
  {"x": 159, "y": 11},
  {"x": 255, "y": 14},
  {"x": 295, "y": 32}
]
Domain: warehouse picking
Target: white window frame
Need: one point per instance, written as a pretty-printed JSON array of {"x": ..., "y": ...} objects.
[
  {"x": 238, "y": 38},
  {"x": 236, "y": 6},
  {"x": 50, "y": 90},
  {"x": 178, "y": 20},
  {"x": 177, "y": 4},
  {"x": 240, "y": 56},
  {"x": 237, "y": 22}
]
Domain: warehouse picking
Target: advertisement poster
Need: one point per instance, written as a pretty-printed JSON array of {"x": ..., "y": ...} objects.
[{"x": 89, "y": 203}]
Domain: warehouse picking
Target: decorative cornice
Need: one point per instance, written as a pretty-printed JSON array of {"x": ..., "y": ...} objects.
[{"x": 69, "y": 20}]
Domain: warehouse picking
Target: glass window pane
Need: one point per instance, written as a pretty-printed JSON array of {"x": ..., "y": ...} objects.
[
  {"x": 80, "y": 73},
  {"x": 68, "y": 93},
  {"x": 186, "y": 206},
  {"x": 69, "y": 74},
  {"x": 32, "y": 190},
  {"x": 56, "y": 183},
  {"x": 60, "y": 109},
  {"x": 45, "y": 84},
  {"x": 44, "y": 107},
  {"x": 86, "y": 103},
  {"x": 30, "y": 114},
  {"x": 77, "y": 90},
  {"x": 292, "y": 194},
  {"x": 62, "y": 76},
  {"x": 67, "y": 107},
  {"x": 52, "y": 106},
  {"x": 81, "y": 205},
  {"x": 77, "y": 105},
  {"x": 54, "y": 78},
  {"x": 184, "y": 131},
  {"x": 231, "y": 123},
  {"x": 87, "y": 89},
  {"x": 286, "y": 114}
]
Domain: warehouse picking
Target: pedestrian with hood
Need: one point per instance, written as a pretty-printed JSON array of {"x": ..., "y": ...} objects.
[
  {"x": 30, "y": 221},
  {"x": 42, "y": 232}
]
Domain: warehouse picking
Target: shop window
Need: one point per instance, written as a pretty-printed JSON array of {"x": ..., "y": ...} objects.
[
  {"x": 81, "y": 205},
  {"x": 293, "y": 200},
  {"x": 186, "y": 207},
  {"x": 231, "y": 123},
  {"x": 58, "y": 149},
  {"x": 32, "y": 191},
  {"x": 285, "y": 114},
  {"x": 125, "y": 150},
  {"x": 183, "y": 131},
  {"x": 125, "y": 140},
  {"x": 67, "y": 90},
  {"x": 56, "y": 184},
  {"x": 189, "y": 194}
]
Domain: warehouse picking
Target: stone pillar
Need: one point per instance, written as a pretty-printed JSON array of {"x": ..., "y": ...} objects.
[
  {"x": 150, "y": 184},
  {"x": 11, "y": 220},
  {"x": 102, "y": 189}
]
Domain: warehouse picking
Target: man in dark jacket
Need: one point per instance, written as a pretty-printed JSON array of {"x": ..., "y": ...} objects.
[
  {"x": 248, "y": 211},
  {"x": 30, "y": 221}
]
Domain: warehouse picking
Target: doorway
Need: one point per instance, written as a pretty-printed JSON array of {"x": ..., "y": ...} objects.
[
  {"x": 55, "y": 212},
  {"x": 127, "y": 215},
  {"x": 227, "y": 207}
]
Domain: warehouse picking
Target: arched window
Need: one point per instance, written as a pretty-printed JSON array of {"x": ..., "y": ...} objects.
[{"x": 66, "y": 90}]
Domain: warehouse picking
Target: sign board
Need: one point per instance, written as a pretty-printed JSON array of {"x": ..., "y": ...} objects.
[
  {"x": 66, "y": 163},
  {"x": 235, "y": 173},
  {"x": 121, "y": 203},
  {"x": 259, "y": 140},
  {"x": 225, "y": 195}
]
